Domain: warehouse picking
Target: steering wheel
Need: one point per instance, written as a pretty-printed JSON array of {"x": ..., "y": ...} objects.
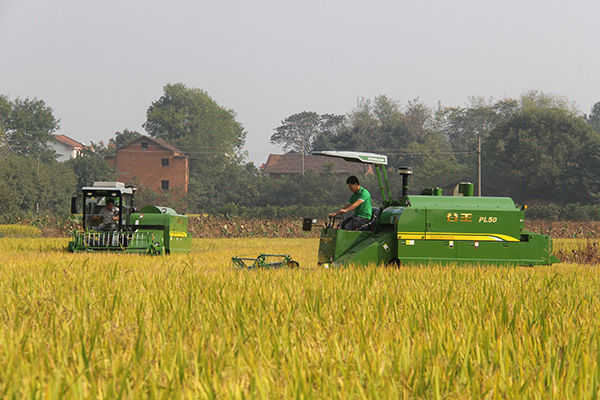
[{"x": 332, "y": 220}]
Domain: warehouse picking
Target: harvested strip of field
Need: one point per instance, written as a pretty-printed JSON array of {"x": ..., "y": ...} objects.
[
  {"x": 566, "y": 229},
  {"x": 211, "y": 226},
  {"x": 104, "y": 325},
  {"x": 580, "y": 251}
]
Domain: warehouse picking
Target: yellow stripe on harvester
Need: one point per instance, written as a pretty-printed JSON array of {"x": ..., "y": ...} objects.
[
  {"x": 481, "y": 237},
  {"x": 178, "y": 234}
]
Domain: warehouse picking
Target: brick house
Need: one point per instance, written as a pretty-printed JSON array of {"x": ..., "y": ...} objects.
[
  {"x": 278, "y": 165},
  {"x": 154, "y": 163}
]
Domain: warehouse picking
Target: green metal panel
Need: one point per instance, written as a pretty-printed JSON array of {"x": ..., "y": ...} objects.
[
  {"x": 170, "y": 229},
  {"x": 180, "y": 241},
  {"x": 442, "y": 229},
  {"x": 416, "y": 251},
  {"x": 445, "y": 202},
  {"x": 488, "y": 252},
  {"x": 340, "y": 247},
  {"x": 536, "y": 249},
  {"x": 390, "y": 215},
  {"x": 157, "y": 210},
  {"x": 334, "y": 242}
]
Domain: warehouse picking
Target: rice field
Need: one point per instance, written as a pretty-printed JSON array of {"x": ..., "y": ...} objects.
[{"x": 190, "y": 326}]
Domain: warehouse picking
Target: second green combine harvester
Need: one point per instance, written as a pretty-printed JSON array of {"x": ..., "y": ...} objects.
[
  {"x": 123, "y": 228},
  {"x": 431, "y": 228}
]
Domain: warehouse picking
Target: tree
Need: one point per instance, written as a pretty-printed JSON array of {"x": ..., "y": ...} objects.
[
  {"x": 464, "y": 125},
  {"x": 28, "y": 125},
  {"x": 91, "y": 166},
  {"x": 545, "y": 155},
  {"x": 538, "y": 99},
  {"x": 208, "y": 133},
  {"x": 191, "y": 120},
  {"x": 122, "y": 138},
  {"x": 594, "y": 118},
  {"x": 299, "y": 132},
  {"x": 29, "y": 187},
  {"x": 5, "y": 110}
]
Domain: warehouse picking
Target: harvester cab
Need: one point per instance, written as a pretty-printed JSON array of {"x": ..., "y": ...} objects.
[
  {"x": 111, "y": 222},
  {"x": 96, "y": 200},
  {"x": 432, "y": 228}
]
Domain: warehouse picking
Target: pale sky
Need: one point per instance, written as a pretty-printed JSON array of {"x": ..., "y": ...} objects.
[{"x": 100, "y": 64}]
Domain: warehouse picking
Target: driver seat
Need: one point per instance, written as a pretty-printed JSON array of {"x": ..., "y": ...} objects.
[{"x": 376, "y": 211}]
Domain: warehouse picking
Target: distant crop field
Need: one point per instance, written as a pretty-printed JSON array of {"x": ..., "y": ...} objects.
[{"x": 190, "y": 326}]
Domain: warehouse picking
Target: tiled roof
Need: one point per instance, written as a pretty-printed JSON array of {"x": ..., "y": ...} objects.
[
  {"x": 292, "y": 164},
  {"x": 67, "y": 141},
  {"x": 160, "y": 142}
]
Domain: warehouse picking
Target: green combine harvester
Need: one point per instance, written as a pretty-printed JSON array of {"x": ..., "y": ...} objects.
[
  {"x": 112, "y": 223},
  {"x": 431, "y": 228}
]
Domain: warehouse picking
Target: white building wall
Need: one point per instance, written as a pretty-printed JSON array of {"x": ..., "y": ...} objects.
[{"x": 64, "y": 152}]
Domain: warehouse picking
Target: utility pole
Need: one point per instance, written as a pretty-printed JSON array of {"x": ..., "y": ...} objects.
[
  {"x": 302, "y": 155},
  {"x": 37, "y": 203},
  {"x": 479, "y": 162}
]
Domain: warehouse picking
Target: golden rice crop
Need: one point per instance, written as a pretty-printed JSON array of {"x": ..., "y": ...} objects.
[
  {"x": 20, "y": 231},
  {"x": 190, "y": 326}
]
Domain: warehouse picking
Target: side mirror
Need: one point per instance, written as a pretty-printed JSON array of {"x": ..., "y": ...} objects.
[
  {"x": 74, "y": 205},
  {"x": 307, "y": 223}
]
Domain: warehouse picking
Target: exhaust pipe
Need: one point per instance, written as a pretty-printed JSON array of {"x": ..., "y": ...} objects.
[{"x": 405, "y": 172}]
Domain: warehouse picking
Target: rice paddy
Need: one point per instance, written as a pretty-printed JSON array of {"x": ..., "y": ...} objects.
[{"x": 190, "y": 326}]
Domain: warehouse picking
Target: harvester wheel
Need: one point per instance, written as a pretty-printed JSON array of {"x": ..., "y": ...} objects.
[
  {"x": 395, "y": 263},
  {"x": 293, "y": 264}
]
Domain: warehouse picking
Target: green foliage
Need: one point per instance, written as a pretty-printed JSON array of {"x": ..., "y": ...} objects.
[
  {"x": 543, "y": 154},
  {"x": 535, "y": 99},
  {"x": 594, "y": 118},
  {"x": 191, "y": 120},
  {"x": 32, "y": 185},
  {"x": 5, "y": 109},
  {"x": 299, "y": 132},
  {"x": 463, "y": 125},
  {"x": 227, "y": 182},
  {"x": 91, "y": 166},
  {"x": 568, "y": 212},
  {"x": 121, "y": 139},
  {"x": 274, "y": 212},
  {"x": 27, "y": 126}
]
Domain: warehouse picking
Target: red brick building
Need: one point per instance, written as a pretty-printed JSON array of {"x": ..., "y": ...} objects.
[
  {"x": 154, "y": 163},
  {"x": 279, "y": 165}
]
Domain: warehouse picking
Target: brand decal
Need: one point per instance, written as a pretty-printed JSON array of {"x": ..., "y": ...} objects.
[{"x": 462, "y": 217}]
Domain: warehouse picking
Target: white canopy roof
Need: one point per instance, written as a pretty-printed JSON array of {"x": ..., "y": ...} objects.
[{"x": 355, "y": 156}]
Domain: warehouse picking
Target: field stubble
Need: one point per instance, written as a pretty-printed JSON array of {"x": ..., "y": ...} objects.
[{"x": 190, "y": 326}]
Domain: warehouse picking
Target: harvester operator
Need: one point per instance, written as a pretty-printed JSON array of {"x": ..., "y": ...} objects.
[
  {"x": 360, "y": 202},
  {"x": 109, "y": 215}
]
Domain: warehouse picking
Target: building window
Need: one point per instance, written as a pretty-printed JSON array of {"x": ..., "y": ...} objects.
[
  {"x": 165, "y": 162},
  {"x": 145, "y": 145},
  {"x": 164, "y": 185}
]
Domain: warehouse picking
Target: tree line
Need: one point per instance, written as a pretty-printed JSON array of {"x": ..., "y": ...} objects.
[{"x": 538, "y": 149}]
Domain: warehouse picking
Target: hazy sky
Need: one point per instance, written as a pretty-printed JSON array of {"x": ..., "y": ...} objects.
[{"x": 100, "y": 64}]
